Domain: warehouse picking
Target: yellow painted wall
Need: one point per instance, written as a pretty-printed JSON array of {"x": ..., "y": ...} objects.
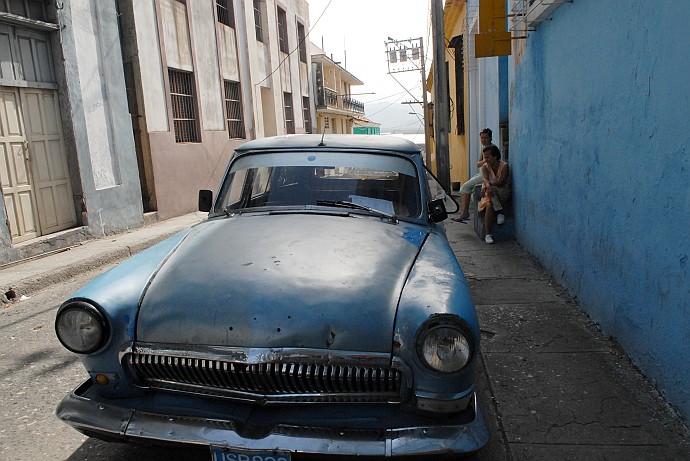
[{"x": 454, "y": 24}]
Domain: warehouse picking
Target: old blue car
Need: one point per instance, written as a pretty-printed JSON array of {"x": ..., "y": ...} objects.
[{"x": 319, "y": 309}]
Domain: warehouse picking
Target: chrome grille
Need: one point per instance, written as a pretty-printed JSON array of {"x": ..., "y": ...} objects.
[{"x": 266, "y": 382}]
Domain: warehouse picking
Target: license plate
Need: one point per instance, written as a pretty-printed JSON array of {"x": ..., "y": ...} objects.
[{"x": 229, "y": 454}]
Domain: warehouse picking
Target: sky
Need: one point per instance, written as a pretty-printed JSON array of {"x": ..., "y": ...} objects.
[{"x": 355, "y": 32}]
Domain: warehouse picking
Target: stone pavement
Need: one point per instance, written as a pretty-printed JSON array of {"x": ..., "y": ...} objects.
[{"x": 552, "y": 387}]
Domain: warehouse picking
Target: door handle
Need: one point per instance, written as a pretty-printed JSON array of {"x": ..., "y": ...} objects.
[{"x": 26, "y": 151}]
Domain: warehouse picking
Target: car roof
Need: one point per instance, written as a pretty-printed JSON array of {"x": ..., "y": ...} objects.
[{"x": 344, "y": 142}]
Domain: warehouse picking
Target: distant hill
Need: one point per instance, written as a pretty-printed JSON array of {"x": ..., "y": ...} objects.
[{"x": 395, "y": 117}]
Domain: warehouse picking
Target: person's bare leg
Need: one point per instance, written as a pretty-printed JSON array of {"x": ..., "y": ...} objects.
[
  {"x": 488, "y": 219},
  {"x": 465, "y": 213}
]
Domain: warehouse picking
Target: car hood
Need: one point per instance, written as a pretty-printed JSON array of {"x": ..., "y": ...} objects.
[{"x": 282, "y": 281}]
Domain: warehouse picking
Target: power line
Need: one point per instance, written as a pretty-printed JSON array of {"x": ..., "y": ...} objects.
[
  {"x": 403, "y": 126},
  {"x": 298, "y": 45},
  {"x": 385, "y": 97},
  {"x": 384, "y": 108},
  {"x": 403, "y": 87}
]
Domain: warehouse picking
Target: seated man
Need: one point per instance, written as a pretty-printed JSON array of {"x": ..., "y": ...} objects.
[{"x": 467, "y": 187}]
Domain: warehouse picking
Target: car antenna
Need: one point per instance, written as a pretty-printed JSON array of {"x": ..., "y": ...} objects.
[{"x": 321, "y": 144}]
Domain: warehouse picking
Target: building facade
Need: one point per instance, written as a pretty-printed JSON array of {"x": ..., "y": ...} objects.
[
  {"x": 362, "y": 125},
  {"x": 589, "y": 170},
  {"x": 118, "y": 112},
  {"x": 66, "y": 139},
  {"x": 590, "y": 109},
  {"x": 336, "y": 109},
  {"x": 477, "y": 91},
  {"x": 207, "y": 77},
  {"x": 456, "y": 59}
]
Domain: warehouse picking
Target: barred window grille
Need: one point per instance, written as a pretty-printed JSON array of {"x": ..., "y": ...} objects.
[
  {"x": 457, "y": 43},
  {"x": 282, "y": 31},
  {"x": 184, "y": 108},
  {"x": 258, "y": 24},
  {"x": 226, "y": 15},
  {"x": 289, "y": 114},
  {"x": 302, "y": 43},
  {"x": 233, "y": 109},
  {"x": 33, "y": 9},
  {"x": 306, "y": 112}
]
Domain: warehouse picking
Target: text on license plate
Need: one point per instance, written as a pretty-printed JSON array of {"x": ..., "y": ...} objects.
[{"x": 226, "y": 454}]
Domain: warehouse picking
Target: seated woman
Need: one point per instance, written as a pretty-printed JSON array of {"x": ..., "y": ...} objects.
[{"x": 496, "y": 188}]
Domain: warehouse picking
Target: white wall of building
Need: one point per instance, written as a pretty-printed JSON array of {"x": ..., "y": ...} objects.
[{"x": 153, "y": 87}]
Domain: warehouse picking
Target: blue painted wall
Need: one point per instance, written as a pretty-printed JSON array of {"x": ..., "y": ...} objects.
[
  {"x": 600, "y": 154},
  {"x": 487, "y": 103}
]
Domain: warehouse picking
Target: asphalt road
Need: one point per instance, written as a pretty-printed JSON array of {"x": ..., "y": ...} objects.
[{"x": 36, "y": 372}]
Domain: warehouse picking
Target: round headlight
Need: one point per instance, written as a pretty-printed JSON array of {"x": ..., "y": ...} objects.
[
  {"x": 444, "y": 348},
  {"x": 80, "y": 327}
]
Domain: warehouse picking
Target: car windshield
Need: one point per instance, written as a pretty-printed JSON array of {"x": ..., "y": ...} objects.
[{"x": 385, "y": 183}]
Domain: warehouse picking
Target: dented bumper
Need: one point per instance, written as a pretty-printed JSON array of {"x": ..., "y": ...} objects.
[{"x": 114, "y": 420}]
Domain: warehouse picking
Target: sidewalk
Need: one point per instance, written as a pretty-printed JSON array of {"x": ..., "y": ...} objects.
[
  {"x": 552, "y": 387},
  {"x": 25, "y": 277}
]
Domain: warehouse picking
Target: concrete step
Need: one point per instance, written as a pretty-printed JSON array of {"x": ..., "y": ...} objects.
[{"x": 499, "y": 232}]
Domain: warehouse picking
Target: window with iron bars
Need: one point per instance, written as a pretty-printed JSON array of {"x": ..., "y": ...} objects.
[
  {"x": 457, "y": 44},
  {"x": 306, "y": 112},
  {"x": 32, "y": 9},
  {"x": 289, "y": 113},
  {"x": 258, "y": 24},
  {"x": 183, "y": 103},
  {"x": 233, "y": 109},
  {"x": 282, "y": 31},
  {"x": 226, "y": 14},
  {"x": 302, "y": 43}
]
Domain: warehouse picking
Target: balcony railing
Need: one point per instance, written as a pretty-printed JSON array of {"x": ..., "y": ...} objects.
[
  {"x": 353, "y": 105},
  {"x": 331, "y": 98},
  {"x": 348, "y": 103}
]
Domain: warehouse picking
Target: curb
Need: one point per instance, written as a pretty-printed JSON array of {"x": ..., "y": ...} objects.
[{"x": 31, "y": 285}]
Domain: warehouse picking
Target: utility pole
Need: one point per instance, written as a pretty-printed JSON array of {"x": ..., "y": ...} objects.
[
  {"x": 441, "y": 110},
  {"x": 402, "y": 56},
  {"x": 427, "y": 135}
]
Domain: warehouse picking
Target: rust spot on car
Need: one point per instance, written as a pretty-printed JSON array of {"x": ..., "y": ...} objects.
[{"x": 331, "y": 340}]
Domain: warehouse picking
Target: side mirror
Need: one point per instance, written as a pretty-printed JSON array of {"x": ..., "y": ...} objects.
[
  {"x": 205, "y": 200},
  {"x": 437, "y": 210},
  {"x": 441, "y": 202}
]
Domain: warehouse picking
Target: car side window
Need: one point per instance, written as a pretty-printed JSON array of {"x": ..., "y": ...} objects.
[{"x": 236, "y": 183}]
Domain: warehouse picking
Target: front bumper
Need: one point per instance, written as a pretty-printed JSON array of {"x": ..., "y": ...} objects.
[{"x": 112, "y": 421}]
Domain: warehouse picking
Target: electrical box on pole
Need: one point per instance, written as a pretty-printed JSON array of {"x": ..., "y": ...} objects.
[{"x": 405, "y": 56}]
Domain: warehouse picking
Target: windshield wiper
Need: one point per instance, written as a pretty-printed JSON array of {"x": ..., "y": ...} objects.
[{"x": 355, "y": 206}]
